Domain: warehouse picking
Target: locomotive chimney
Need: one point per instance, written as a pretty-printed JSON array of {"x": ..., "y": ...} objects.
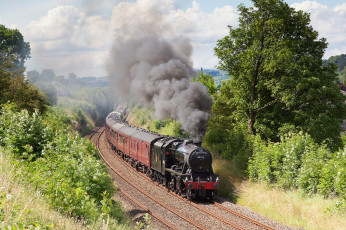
[{"x": 197, "y": 139}]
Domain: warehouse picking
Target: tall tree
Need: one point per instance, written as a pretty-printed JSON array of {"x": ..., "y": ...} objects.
[
  {"x": 274, "y": 59},
  {"x": 12, "y": 46}
]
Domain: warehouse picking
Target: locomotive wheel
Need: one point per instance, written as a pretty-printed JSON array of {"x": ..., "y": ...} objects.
[{"x": 150, "y": 173}]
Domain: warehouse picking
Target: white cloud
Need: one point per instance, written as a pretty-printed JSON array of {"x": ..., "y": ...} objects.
[
  {"x": 204, "y": 29},
  {"x": 67, "y": 40},
  {"x": 329, "y": 23}
]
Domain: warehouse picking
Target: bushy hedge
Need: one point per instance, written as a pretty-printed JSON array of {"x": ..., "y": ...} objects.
[
  {"x": 233, "y": 145},
  {"x": 298, "y": 162},
  {"x": 62, "y": 165}
]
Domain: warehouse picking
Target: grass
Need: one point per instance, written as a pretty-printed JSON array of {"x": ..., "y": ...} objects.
[
  {"x": 287, "y": 207},
  {"x": 21, "y": 207},
  {"x": 291, "y": 207}
]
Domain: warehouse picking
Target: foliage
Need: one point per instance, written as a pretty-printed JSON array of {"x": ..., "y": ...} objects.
[
  {"x": 57, "y": 119},
  {"x": 234, "y": 145},
  {"x": 141, "y": 116},
  {"x": 298, "y": 162},
  {"x": 61, "y": 165},
  {"x": 13, "y": 47},
  {"x": 208, "y": 81},
  {"x": 24, "y": 134},
  {"x": 338, "y": 60},
  {"x": 14, "y": 88},
  {"x": 49, "y": 91},
  {"x": 145, "y": 224},
  {"x": 274, "y": 59},
  {"x": 227, "y": 135},
  {"x": 80, "y": 120},
  {"x": 79, "y": 182}
]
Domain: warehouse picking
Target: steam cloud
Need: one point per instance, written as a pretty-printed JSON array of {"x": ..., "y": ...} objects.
[{"x": 151, "y": 65}]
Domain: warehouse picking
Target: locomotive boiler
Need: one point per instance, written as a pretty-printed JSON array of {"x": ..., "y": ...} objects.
[{"x": 180, "y": 165}]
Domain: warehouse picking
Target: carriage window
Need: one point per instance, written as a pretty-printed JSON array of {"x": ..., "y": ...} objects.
[{"x": 137, "y": 147}]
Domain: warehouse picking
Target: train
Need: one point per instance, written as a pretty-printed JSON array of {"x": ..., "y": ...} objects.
[{"x": 181, "y": 165}]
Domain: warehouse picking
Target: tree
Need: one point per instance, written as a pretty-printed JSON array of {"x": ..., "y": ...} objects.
[
  {"x": 12, "y": 46},
  {"x": 47, "y": 75},
  {"x": 277, "y": 79},
  {"x": 208, "y": 81},
  {"x": 15, "y": 88},
  {"x": 50, "y": 91},
  {"x": 72, "y": 77},
  {"x": 33, "y": 76}
]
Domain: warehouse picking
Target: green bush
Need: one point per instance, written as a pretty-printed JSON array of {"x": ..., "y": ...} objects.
[
  {"x": 24, "y": 134},
  {"x": 310, "y": 172},
  {"x": 72, "y": 176},
  {"x": 234, "y": 145},
  {"x": 63, "y": 166},
  {"x": 333, "y": 175},
  {"x": 298, "y": 162}
]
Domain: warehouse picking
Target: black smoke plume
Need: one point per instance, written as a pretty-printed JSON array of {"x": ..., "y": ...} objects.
[{"x": 151, "y": 65}]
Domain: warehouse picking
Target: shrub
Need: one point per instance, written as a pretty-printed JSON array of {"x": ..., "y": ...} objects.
[
  {"x": 234, "y": 145},
  {"x": 63, "y": 166},
  {"x": 77, "y": 179},
  {"x": 291, "y": 150},
  {"x": 333, "y": 175},
  {"x": 24, "y": 134},
  {"x": 298, "y": 162}
]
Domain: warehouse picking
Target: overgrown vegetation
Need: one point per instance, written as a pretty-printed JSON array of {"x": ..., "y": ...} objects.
[
  {"x": 298, "y": 162},
  {"x": 23, "y": 207},
  {"x": 64, "y": 167}
]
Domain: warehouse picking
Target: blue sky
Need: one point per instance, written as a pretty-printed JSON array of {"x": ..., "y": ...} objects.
[{"x": 76, "y": 35}]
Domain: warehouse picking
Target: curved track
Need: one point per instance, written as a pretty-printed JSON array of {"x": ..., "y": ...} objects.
[{"x": 229, "y": 218}]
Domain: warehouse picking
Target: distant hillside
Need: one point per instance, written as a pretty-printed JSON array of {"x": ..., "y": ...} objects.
[
  {"x": 338, "y": 60},
  {"x": 94, "y": 82},
  {"x": 218, "y": 75}
]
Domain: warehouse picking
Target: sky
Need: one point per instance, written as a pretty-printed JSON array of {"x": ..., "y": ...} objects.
[{"x": 77, "y": 35}]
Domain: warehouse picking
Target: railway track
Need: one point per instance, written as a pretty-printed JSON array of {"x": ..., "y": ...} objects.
[
  {"x": 229, "y": 218},
  {"x": 157, "y": 216}
]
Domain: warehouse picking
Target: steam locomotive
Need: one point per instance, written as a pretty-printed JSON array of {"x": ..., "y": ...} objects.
[{"x": 180, "y": 165}]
